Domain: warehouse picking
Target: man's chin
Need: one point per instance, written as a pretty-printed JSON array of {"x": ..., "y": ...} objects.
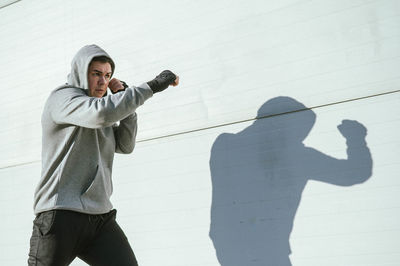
[{"x": 99, "y": 94}]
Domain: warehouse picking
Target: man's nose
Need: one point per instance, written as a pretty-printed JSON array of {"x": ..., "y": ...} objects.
[{"x": 102, "y": 80}]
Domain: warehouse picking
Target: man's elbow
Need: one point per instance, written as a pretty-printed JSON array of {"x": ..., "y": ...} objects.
[
  {"x": 105, "y": 118},
  {"x": 126, "y": 149}
]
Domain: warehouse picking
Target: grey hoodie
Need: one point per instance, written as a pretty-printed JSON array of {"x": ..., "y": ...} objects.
[{"x": 80, "y": 135}]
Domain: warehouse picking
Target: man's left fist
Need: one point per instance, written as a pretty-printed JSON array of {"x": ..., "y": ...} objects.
[{"x": 162, "y": 81}]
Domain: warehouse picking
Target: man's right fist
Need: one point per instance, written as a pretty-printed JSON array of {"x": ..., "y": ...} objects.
[{"x": 162, "y": 81}]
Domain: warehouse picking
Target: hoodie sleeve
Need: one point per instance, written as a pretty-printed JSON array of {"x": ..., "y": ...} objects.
[
  {"x": 125, "y": 134},
  {"x": 73, "y": 106}
]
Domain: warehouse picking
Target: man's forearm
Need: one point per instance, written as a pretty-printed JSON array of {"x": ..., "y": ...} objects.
[
  {"x": 125, "y": 134},
  {"x": 72, "y": 106}
]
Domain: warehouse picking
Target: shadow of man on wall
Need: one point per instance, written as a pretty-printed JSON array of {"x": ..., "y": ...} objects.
[{"x": 259, "y": 174}]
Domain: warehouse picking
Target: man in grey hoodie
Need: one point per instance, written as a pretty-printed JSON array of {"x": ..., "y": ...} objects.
[{"x": 82, "y": 128}]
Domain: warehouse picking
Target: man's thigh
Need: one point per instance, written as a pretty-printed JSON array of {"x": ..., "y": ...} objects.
[
  {"x": 54, "y": 238},
  {"x": 110, "y": 247}
]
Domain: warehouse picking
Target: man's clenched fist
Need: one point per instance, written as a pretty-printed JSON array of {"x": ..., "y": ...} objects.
[
  {"x": 117, "y": 85},
  {"x": 162, "y": 81}
]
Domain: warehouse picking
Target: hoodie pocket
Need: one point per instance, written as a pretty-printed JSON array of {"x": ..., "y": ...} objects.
[
  {"x": 96, "y": 197},
  {"x": 90, "y": 184}
]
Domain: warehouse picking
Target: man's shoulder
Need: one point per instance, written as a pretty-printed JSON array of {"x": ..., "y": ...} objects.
[
  {"x": 66, "y": 88},
  {"x": 63, "y": 93}
]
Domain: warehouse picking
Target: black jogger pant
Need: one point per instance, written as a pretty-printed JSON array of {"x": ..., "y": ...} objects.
[{"x": 59, "y": 236}]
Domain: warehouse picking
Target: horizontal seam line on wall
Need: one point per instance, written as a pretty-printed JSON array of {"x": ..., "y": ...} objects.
[
  {"x": 19, "y": 164},
  {"x": 266, "y": 116},
  {"x": 9, "y": 4},
  {"x": 236, "y": 122}
]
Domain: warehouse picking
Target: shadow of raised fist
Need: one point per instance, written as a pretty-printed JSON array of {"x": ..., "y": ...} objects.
[{"x": 351, "y": 129}]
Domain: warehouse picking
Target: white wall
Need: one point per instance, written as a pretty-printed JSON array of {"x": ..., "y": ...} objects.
[{"x": 336, "y": 57}]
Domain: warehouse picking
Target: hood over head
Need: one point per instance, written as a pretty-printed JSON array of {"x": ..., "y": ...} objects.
[{"x": 80, "y": 64}]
